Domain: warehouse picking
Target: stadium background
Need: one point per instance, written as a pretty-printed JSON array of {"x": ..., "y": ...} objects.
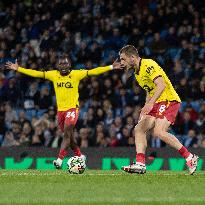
[{"x": 92, "y": 32}]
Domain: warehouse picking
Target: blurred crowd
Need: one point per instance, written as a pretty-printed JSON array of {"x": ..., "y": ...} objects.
[{"x": 92, "y": 32}]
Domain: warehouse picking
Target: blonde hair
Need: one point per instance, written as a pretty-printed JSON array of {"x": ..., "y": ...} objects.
[{"x": 129, "y": 50}]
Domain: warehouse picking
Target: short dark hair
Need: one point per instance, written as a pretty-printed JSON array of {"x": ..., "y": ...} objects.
[{"x": 129, "y": 50}]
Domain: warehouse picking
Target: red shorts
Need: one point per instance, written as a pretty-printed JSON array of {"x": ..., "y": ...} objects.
[
  {"x": 165, "y": 109},
  {"x": 68, "y": 117}
]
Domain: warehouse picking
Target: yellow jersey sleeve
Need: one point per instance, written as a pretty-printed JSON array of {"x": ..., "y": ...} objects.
[
  {"x": 99, "y": 70},
  {"x": 80, "y": 74},
  {"x": 30, "y": 72},
  {"x": 50, "y": 75},
  {"x": 95, "y": 71}
]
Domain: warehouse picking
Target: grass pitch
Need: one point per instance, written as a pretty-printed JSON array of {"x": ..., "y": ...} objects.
[{"x": 100, "y": 188}]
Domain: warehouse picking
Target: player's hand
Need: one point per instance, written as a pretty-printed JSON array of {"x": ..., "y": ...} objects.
[
  {"x": 12, "y": 66},
  {"x": 117, "y": 64},
  {"x": 146, "y": 109}
]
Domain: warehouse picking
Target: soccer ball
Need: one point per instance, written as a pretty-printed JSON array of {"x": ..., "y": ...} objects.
[{"x": 76, "y": 165}]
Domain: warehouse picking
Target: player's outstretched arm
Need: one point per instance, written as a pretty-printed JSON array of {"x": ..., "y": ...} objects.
[
  {"x": 30, "y": 72},
  {"x": 100, "y": 70}
]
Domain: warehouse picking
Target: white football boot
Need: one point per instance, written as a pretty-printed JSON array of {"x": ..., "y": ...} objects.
[
  {"x": 58, "y": 163},
  {"x": 138, "y": 168},
  {"x": 192, "y": 164}
]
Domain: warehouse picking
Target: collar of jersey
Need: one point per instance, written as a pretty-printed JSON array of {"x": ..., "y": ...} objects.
[{"x": 137, "y": 72}]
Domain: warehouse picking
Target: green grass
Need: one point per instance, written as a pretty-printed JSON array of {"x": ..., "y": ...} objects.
[{"x": 101, "y": 188}]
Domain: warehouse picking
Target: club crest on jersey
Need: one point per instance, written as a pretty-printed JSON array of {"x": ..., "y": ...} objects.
[
  {"x": 64, "y": 84},
  {"x": 150, "y": 70}
]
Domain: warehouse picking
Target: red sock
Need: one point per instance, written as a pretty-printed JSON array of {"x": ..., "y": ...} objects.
[
  {"x": 77, "y": 152},
  {"x": 140, "y": 157},
  {"x": 184, "y": 152},
  {"x": 62, "y": 153}
]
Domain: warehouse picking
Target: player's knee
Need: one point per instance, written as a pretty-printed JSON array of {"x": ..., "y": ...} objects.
[
  {"x": 68, "y": 128},
  {"x": 158, "y": 133},
  {"x": 138, "y": 129}
]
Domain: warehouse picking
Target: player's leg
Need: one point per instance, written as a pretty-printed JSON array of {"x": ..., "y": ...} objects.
[
  {"x": 70, "y": 119},
  {"x": 144, "y": 125},
  {"x": 161, "y": 131},
  {"x": 141, "y": 130},
  {"x": 69, "y": 132},
  {"x": 70, "y": 141},
  {"x": 70, "y": 122},
  {"x": 63, "y": 149}
]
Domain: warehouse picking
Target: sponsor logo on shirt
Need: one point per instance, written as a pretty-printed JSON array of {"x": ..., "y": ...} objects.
[{"x": 64, "y": 84}]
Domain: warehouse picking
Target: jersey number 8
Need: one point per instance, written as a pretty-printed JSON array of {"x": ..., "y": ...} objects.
[{"x": 162, "y": 108}]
